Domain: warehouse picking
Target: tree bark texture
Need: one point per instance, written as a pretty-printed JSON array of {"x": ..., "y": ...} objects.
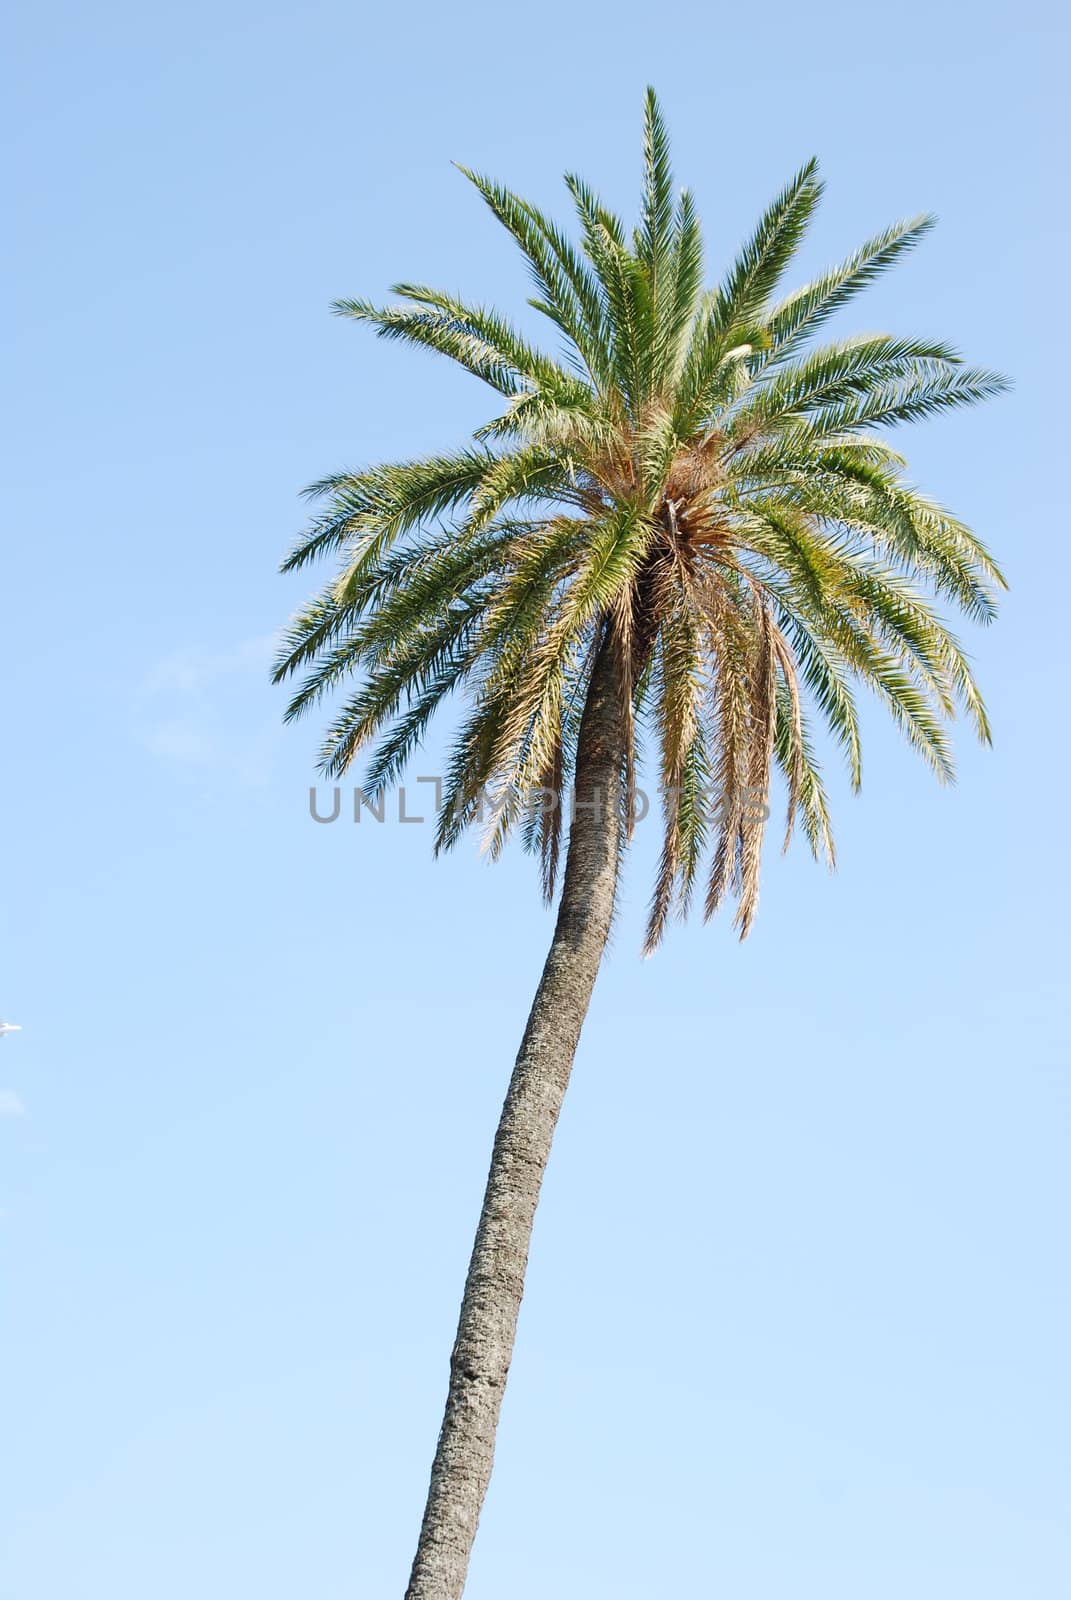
[{"x": 484, "y": 1344}]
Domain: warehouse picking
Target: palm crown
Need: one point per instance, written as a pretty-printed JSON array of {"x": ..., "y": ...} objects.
[{"x": 691, "y": 479}]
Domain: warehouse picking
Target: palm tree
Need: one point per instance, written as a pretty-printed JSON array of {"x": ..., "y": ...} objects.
[{"x": 680, "y": 540}]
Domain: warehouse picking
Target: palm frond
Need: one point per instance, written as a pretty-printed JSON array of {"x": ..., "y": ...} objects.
[{"x": 686, "y": 490}]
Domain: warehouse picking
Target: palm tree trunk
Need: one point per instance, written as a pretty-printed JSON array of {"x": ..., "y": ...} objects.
[{"x": 484, "y": 1343}]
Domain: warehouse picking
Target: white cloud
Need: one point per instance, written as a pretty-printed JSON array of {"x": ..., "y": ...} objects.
[
  {"x": 11, "y": 1104},
  {"x": 211, "y": 711},
  {"x": 190, "y": 671},
  {"x": 182, "y": 741}
]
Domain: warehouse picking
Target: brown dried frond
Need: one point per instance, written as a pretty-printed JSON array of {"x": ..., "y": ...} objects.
[
  {"x": 614, "y": 471},
  {"x": 706, "y": 525},
  {"x": 695, "y": 471},
  {"x": 679, "y": 712},
  {"x": 730, "y": 650},
  {"x": 550, "y": 820},
  {"x": 621, "y": 627},
  {"x": 762, "y": 712},
  {"x": 790, "y": 678}
]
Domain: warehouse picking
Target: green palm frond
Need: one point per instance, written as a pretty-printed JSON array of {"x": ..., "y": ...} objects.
[
  {"x": 760, "y": 265},
  {"x": 801, "y": 313},
  {"x": 687, "y": 476}
]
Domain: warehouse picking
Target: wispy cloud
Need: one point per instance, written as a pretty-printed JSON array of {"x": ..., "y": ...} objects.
[
  {"x": 11, "y": 1104},
  {"x": 207, "y": 711},
  {"x": 193, "y": 671}
]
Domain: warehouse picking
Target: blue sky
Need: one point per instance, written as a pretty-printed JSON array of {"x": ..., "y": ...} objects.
[{"x": 798, "y": 1310}]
